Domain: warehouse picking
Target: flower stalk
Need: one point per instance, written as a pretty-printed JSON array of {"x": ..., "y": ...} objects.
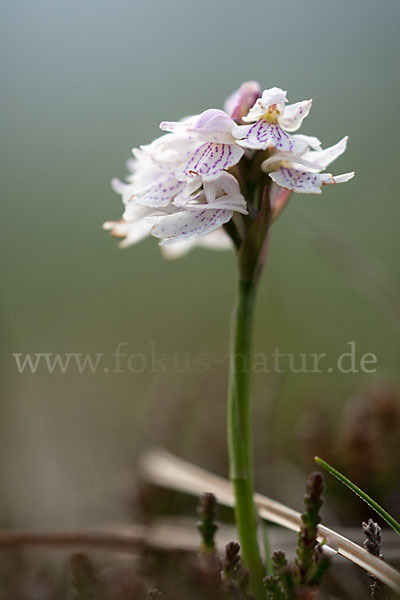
[
  {"x": 250, "y": 260},
  {"x": 239, "y": 437}
]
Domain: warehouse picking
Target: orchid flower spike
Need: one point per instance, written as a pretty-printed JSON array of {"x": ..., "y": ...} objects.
[{"x": 186, "y": 186}]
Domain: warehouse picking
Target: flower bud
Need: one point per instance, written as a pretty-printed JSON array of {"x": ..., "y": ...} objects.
[{"x": 239, "y": 103}]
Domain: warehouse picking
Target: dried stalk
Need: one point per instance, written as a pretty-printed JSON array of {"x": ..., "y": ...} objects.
[
  {"x": 129, "y": 543},
  {"x": 164, "y": 469}
]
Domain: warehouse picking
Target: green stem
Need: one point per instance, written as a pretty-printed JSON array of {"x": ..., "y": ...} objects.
[{"x": 239, "y": 436}]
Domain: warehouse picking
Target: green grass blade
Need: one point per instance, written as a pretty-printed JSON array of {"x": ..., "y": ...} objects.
[{"x": 374, "y": 505}]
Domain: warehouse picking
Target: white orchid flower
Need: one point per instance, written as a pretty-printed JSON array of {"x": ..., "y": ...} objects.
[
  {"x": 271, "y": 123},
  {"x": 302, "y": 174},
  {"x": 194, "y": 213},
  {"x": 201, "y": 213},
  {"x": 148, "y": 184},
  {"x": 204, "y": 146}
]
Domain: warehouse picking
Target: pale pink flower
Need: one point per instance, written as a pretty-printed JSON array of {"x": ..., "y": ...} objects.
[
  {"x": 239, "y": 103},
  {"x": 302, "y": 174},
  {"x": 203, "y": 146},
  {"x": 271, "y": 123}
]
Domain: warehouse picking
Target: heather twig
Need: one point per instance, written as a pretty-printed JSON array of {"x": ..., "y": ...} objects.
[
  {"x": 206, "y": 526},
  {"x": 234, "y": 575},
  {"x": 372, "y": 544},
  {"x": 288, "y": 582},
  {"x": 311, "y": 564}
]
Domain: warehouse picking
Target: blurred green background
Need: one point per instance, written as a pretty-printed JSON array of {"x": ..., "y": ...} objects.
[{"x": 82, "y": 83}]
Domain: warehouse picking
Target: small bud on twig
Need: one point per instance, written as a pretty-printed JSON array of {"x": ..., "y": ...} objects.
[{"x": 207, "y": 528}]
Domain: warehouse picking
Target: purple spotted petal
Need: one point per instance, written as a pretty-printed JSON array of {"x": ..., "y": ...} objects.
[
  {"x": 300, "y": 181},
  {"x": 161, "y": 192},
  {"x": 294, "y": 114},
  {"x": 263, "y": 135},
  {"x": 188, "y": 223},
  {"x": 209, "y": 160},
  {"x": 305, "y": 182}
]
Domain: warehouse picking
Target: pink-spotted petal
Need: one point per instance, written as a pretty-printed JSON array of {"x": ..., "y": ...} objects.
[
  {"x": 293, "y": 115},
  {"x": 161, "y": 192},
  {"x": 263, "y": 135},
  {"x": 305, "y": 182},
  {"x": 208, "y": 161},
  {"x": 188, "y": 224},
  {"x": 297, "y": 181}
]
